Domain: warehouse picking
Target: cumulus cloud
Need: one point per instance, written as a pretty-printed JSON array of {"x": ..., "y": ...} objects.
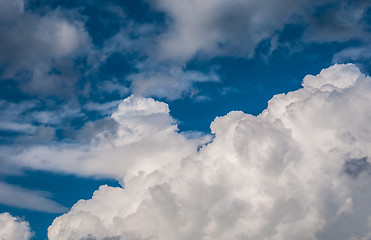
[
  {"x": 38, "y": 51},
  {"x": 299, "y": 170},
  {"x": 13, "y": 229},
  {"x": 139, "y": 136}
]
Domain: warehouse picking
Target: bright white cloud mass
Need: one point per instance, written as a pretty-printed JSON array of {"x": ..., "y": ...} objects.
[
  {"x": 139, "y": 136},
  {"x": 86, "y": 89},
  {"x": 299, "y": 170},
  {"x": 13, "y": 229}
]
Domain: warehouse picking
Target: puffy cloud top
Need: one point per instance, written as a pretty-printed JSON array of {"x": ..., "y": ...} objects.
[
  {"x": 13, "y": 229},
  {"x": 338, "y": 76},
  {"x": 139, "y": 136},
  {"x": 299, "y": 170}
]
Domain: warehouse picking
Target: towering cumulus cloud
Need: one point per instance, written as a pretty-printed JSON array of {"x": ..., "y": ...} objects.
[
  {"x": 299, "y": 170},
  {"x": 12, "y": 229},
  {"x": 139, "y": 136}
]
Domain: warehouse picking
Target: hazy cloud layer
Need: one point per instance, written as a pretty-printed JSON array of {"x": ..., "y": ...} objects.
[
  {"x": 170, "y": 82},
  {"x": 236, "y": 28},
  {"x": 32, "y": 122},
  {"x": 296, "y": 171},
  {"x": 341, "y": 21},
  {"x": 13, "y": 229},
  {"x": 354, "y": 54},
  {"x": 19, "y": 197},
  {"x": 39, "y": 51},
  {"x": 233, "y": 28},
  {"x": 207, "y": 29}
]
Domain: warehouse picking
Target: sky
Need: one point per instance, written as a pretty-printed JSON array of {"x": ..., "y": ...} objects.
[{"x": 185, "y": 119}]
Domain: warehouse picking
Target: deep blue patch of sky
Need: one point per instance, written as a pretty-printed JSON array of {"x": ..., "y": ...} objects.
[
  {"x": 248, "y": 84},
  {"x": 104, "y": 18}
]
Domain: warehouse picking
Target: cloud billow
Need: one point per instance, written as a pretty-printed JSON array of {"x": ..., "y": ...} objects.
[
  {"x": 38, "y": 51},
  {"x": 42, "y": 52},
  {"x": 12, "y": 228},
  {"x": 236, "y": 28},
  {"x": 281, "y": 175},
  {"x": 299, "y": 170},
  {"x": 207, "y": 30}
]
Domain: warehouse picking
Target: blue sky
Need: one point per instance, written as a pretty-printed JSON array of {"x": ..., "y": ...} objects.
[{"x": 120, "y": 95}]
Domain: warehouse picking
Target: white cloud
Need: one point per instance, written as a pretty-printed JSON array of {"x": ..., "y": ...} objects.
[
  {"x": 341, "y": 22},
  {"x": 17, "y": 127},
  {"x": 44, "y": 134},
  {"x": 205, "y": 29},
  {"x": 220, "y": 27},
  {"x": 104, "y": 108},
  {"x": 12, "y": 119},
  {"x": 139, "y": 136},
  {"x": 299, "y": 170},
  {"x": 353, "y": 54},
  {"x": 113, "y": 86},
  {"x": 38, "y": 51},
  {"x": 31, "y": 124},
  {"x": 236, "y": 28},
  {"x": 13, "y": 229},
  {"x": 14, "y": 196},
  {"x": 170, "y": 81}
]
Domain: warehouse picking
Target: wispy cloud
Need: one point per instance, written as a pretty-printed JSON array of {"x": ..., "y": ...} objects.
[
  {"x": 38, "y": 51},
  {"x": 19, "y": 197},
  {"x": 138, "y": 136}
]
